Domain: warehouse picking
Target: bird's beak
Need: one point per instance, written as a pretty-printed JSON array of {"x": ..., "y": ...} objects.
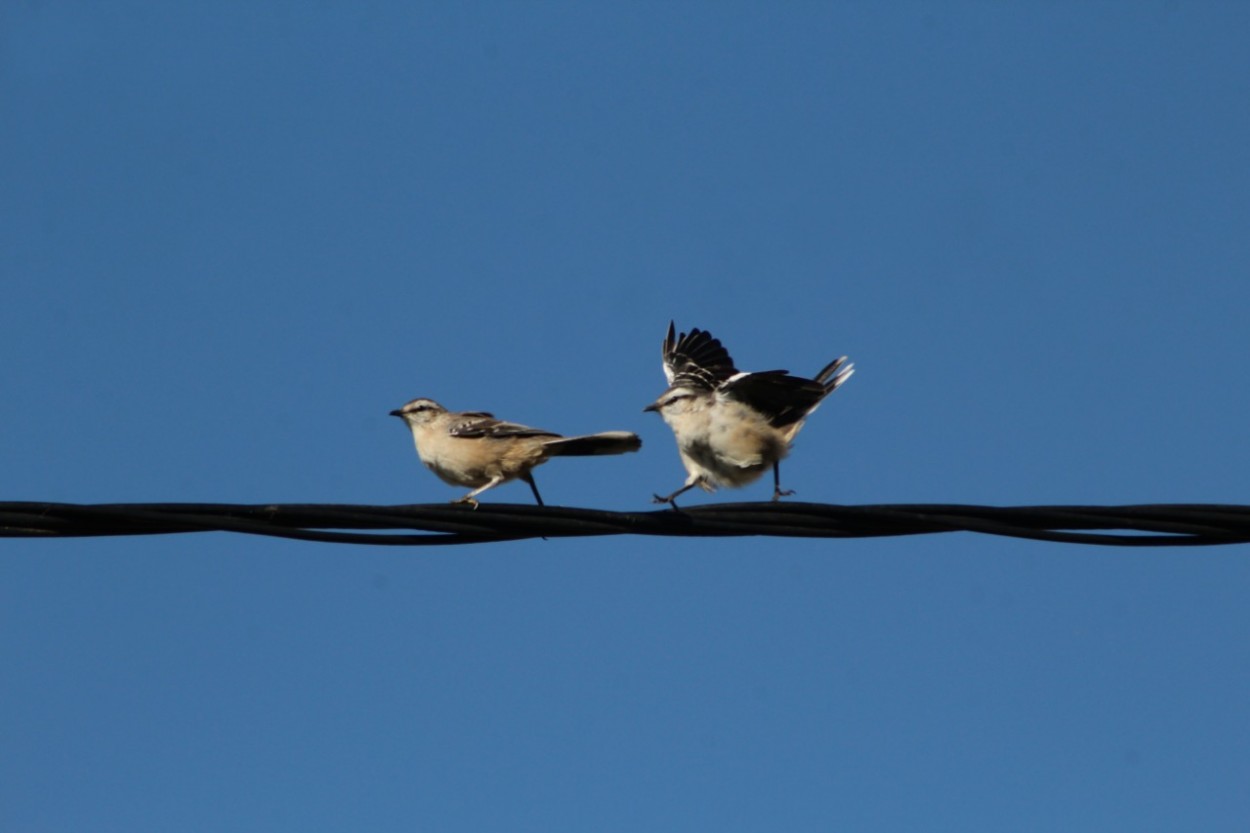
[
  {"x": 397, "y": 413},
  {"x": 654, "y": 406}
]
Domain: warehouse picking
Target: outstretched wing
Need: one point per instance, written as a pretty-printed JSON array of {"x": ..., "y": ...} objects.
[
  {"x": 695, "y": 360},
  {"x": 783, "y": 398},
  {"x": 481, "y": 424}
]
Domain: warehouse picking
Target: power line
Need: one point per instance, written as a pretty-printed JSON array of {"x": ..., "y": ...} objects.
[{"x": 1140, "y": 525}]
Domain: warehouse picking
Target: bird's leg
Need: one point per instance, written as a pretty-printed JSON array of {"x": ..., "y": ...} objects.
[
  {"x": 671, "y": 499},
  {"x": 470, "y": 497},
  {"x": 778, "y": 492},
  {"x": 529, "y": 478}
]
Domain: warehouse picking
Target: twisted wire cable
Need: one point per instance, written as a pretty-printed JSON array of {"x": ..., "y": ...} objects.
[{"x": 440, "y": 524}]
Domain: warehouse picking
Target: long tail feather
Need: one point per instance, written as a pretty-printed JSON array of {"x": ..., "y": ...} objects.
[{"x": 607, "y": 442}]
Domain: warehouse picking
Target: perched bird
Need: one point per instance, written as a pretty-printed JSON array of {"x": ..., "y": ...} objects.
[
  {"x": 732, "y": 426},
  {"x": 476, "y": 450}
]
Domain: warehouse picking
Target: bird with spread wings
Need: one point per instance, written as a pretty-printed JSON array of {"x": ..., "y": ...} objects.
[{"x": 732, "y": 426}]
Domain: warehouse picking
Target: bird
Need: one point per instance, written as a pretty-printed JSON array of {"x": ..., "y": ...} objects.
[
  {"x": 732, "y": 426},
  {"x": 472, "y": 448}
]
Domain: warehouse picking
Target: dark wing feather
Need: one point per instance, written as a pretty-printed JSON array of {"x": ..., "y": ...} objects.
[
  {"x": 695, "y": 359},
  {"x": 484, "y": 425},
  {"x": 783, "y": 398}
]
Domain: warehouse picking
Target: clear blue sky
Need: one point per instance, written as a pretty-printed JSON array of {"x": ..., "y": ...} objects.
[{"x": 234, "y": 236}]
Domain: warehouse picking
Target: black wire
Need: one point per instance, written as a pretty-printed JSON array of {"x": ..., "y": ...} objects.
[{"x": 1141, "y": 525}]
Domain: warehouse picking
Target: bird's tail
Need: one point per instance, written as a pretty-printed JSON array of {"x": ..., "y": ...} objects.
[
  {"x": 834, "y": 374},
  {"x": 607, "y": 442},
  {"x": 829, "y": 379}
]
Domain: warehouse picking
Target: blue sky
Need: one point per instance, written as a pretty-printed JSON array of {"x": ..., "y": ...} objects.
[{"x": 234, "y": 236}]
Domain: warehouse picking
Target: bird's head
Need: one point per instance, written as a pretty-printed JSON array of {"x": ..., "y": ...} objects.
[
  {"x": 419, "y": 411},
  {"x": 676, "y": 401}
]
